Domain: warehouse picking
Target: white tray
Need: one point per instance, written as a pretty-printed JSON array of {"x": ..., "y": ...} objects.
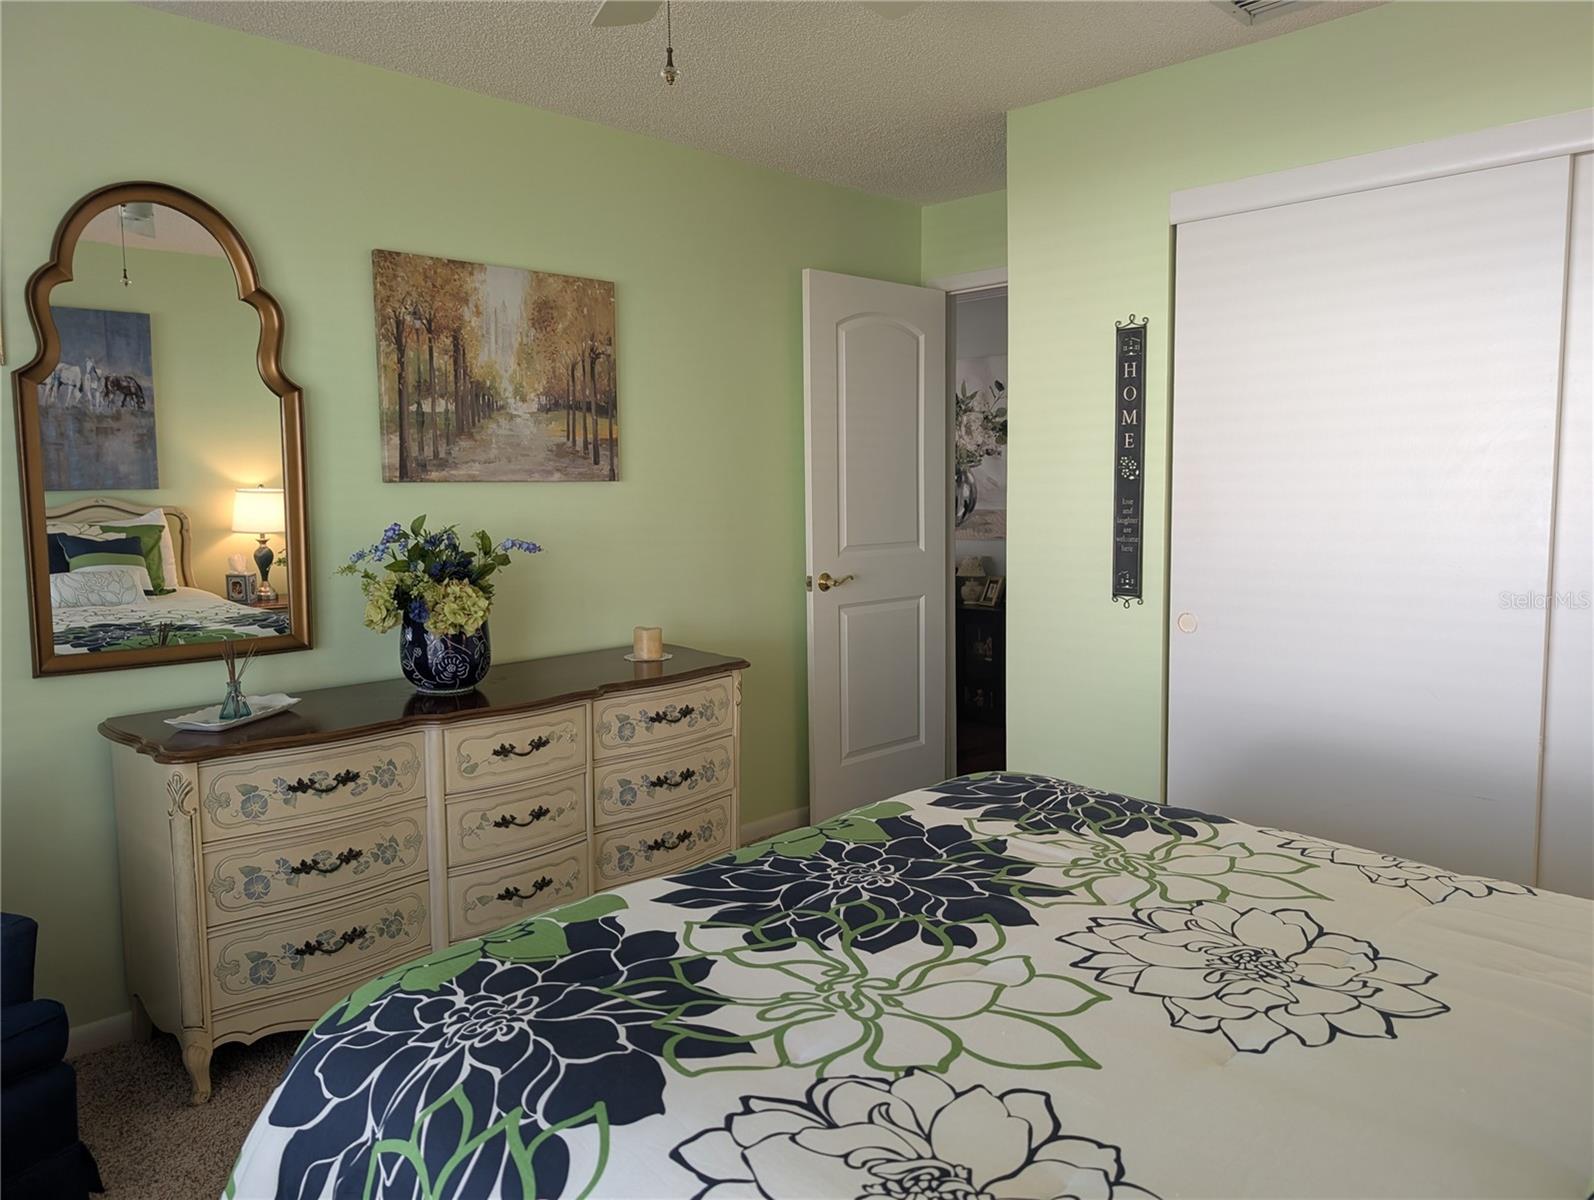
[{"x": 208, "y": 720}]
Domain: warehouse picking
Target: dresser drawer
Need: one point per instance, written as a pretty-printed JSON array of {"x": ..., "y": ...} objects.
[
  {"x": 531, "y": 746},
  {"x": 636, "y": 789},
  {"x": 639, "y": 721},
  {"x": 273, "y": 872},
  {"x": 482, "y": 900},
  {"x": 266, "y": 959},
  {"x": 515, "y": 820},
  {"x": 276, "y": 791},
  {"x": 664, "y": 845}
]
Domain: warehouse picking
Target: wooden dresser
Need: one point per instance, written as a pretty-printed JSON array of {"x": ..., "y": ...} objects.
[{"x": 268, "y": 870}]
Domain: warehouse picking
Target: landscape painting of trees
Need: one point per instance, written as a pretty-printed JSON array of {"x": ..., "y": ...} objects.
[{"x": 493, "y": 373}]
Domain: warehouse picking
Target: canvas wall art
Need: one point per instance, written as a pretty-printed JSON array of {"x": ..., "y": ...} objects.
[
  {"x": 980, "y": 468},
  {"x": 494, "y": 373},
  {"x": 97, "y": 407}
]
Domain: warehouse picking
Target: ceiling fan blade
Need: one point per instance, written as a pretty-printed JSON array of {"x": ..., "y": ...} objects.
[
  {"x": 890, "y": 9},
  {"x": 625, "y": 12}
]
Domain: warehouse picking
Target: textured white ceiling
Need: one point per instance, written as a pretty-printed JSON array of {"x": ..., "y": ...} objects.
[{"x": 911, "y": 107}]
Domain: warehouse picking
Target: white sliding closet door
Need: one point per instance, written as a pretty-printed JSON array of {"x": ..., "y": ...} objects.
[
  {"x": 1566, "y": 833},
  {"x": 1364, "y": 423}
]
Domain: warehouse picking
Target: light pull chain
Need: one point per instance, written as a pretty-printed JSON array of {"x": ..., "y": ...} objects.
[
  {"x": 121, "y": 221},
  {"x": 669, "y": 74}
]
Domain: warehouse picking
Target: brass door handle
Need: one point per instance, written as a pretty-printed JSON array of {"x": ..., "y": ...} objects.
[{"x": 824, "y": 583}]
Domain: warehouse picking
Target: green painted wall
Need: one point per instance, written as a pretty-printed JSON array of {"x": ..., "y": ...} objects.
[
  {"x": 318, "y": 160},
  {"x": 964, "y": 235},
  {"x": 217, "y": 426},
  {"x": 1089, "y": 176}
]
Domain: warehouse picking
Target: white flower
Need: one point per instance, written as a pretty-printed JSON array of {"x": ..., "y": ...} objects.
[
  {"x": 915, "y": 1137},
  {"x": 1255, "y": 976},
  {"x": 1433, "y": 884}
]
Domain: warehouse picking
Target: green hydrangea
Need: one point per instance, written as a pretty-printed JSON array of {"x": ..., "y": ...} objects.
[
  {"x": 454, "y": 607},
  {"x": 381, "y": 613}
]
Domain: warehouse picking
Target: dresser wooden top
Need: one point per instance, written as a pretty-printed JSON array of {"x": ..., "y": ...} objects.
[{"x": 334, "y": 714}]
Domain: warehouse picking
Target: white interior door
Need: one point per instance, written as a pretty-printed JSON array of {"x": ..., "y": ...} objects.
[
  {"x": 875, "y": 406},
  {"x": 1365, "y": 393}
]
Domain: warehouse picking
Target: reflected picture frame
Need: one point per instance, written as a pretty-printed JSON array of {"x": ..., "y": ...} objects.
[{"x": 991, "y": 597}]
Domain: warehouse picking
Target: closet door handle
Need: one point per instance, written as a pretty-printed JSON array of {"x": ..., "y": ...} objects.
[{"x": 825, "y": 581}]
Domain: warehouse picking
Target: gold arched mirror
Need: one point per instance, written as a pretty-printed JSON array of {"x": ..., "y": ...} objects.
[{"x": 161, "y": 444}]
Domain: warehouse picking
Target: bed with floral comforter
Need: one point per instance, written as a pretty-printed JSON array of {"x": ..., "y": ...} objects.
[{"x": 1000, "y": 987}]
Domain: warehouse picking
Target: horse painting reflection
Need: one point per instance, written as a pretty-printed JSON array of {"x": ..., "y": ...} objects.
[{"x": 97, "y": 407}]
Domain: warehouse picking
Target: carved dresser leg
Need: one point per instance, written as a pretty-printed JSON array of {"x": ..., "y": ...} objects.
[{"x": 196, "y": 1057}]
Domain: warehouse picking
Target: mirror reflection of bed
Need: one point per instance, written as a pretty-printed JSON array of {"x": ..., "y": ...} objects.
[
  {"x": 110, "y": 603},
  {"x": 158, "y": 438}
]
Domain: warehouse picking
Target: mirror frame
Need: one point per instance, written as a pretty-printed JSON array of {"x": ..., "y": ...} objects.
[{"x": 25, "y": 383}]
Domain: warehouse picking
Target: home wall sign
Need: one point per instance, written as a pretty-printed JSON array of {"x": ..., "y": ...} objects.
[{"x": 1129, "y": 406}]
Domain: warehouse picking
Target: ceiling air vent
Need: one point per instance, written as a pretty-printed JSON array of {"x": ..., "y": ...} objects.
[{"x": 1249, "y": 12}]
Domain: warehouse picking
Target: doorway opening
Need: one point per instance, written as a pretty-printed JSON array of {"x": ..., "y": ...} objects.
[{"x": 978, "y": 342}]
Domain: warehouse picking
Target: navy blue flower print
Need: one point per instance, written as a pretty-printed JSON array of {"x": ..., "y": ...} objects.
[
  {"x": 944, "y": 873},
  {"x": 544, "y": 1040},
  {"x": 1039, "y": 804}
]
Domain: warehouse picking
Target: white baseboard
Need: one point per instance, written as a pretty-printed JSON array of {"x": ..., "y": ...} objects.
[
  {"x": 97, "y": 1035},
  {"x": 783, "y": 822}
]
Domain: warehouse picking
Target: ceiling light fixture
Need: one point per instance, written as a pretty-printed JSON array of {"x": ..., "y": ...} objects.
[{"x": 669, "y": 74}]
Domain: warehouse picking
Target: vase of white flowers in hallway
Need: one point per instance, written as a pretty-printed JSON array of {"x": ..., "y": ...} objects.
[{"x": 437, "y": 590}]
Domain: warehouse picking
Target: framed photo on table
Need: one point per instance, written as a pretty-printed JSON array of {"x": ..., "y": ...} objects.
[
  {"x": 241, "y": 587},
  {"x": 992, "y": 595}
]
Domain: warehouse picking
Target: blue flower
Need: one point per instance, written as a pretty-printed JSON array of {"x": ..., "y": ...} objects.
[
  {"x": 251, "y": 803},
  {"x": 545, "y": 1037},
  {"x": 520, "y": 544},
  {"x": 418, "y": 611},
  {"x": 256, "y": 885},
  {"x": 1039, "y": 804},
  {"x": 943, "y": 874},
  {"x": 262, "y": 971}
]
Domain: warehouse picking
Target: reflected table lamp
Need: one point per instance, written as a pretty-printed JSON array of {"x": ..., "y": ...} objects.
[{"x": 259, "y": 510}]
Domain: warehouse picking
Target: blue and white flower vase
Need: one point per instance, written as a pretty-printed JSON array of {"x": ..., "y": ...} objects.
[{"x": 443, "y": 664}]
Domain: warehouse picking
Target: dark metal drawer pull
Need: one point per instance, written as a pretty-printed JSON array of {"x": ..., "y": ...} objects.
[
  {"x": 668, "y": 717},
  {"x": 670, "y": 779},
  {"x": 507, "y": 750},
  {"x": 302, "y": 785},
  {"x": 670, "y": 841},
  {"x": 307, "y": 866},
  {"x": 509, "y": 821},
  {"x": 345, "y": 940},
  {"x": 514, "y": 893}
]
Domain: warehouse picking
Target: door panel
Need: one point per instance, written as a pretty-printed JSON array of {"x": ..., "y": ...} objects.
[
  {"x": 882, "y": 692},
  {"x": 876, "y": 427},
  {"x": 880, "y": 435},
  {"x": 1364, "y": 437}
]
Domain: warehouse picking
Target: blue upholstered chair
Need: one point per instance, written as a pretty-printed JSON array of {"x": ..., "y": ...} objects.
[{"x": 40, "y": 1155}]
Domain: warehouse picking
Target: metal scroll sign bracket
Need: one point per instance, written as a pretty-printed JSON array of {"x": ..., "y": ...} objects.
[{"x": 1128, "y": 454}]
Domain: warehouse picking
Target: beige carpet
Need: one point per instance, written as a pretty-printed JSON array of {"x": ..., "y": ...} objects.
[{"x": 151, "y": 1144}]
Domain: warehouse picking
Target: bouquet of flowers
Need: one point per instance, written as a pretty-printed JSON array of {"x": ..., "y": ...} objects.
[
  {"x": 980, "y": 422},
  {"x": 433, "y": 578}
]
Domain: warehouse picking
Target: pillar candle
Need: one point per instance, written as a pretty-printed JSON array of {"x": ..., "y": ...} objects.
[{"x": 647, "y": 641}]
